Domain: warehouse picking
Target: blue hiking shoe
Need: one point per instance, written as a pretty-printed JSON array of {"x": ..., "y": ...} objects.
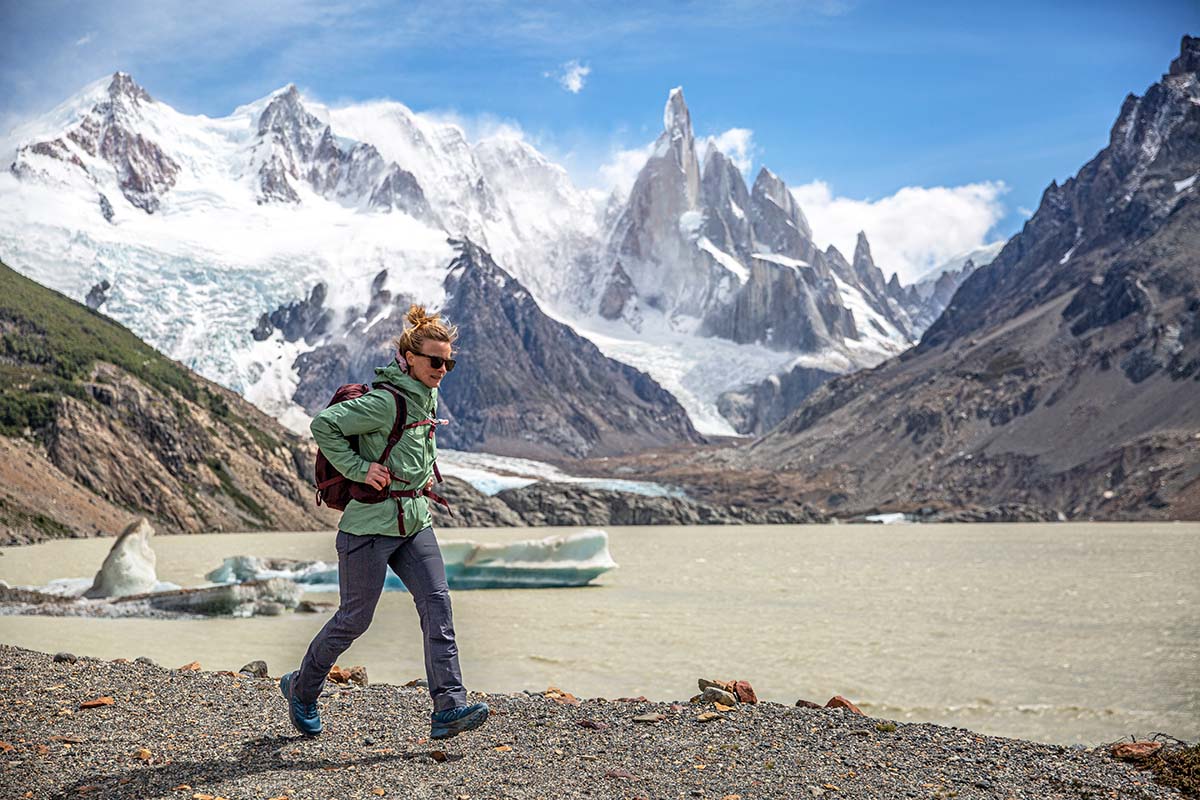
[
  {"x": 453, "y": 721},
  {"x": 304, "y": 716}
]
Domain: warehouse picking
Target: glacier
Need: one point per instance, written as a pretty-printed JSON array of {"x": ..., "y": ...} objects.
[
  {"x": 492, "y": 474},
  {"x": 553, "y": 562}
]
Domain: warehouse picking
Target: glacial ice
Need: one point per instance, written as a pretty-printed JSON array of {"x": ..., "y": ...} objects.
[
  {"x": 555, "y": 561},
  {"x": 492, "y": 474}
]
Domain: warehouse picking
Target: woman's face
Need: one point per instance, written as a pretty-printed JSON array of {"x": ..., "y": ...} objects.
[{"x": 420, "y": 367}]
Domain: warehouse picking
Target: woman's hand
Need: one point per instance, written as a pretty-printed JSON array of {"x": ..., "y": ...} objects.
[{"x": 378, "y": 476}]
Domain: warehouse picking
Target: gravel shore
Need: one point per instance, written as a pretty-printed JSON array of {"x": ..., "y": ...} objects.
[{"x": 182, "y": 734}]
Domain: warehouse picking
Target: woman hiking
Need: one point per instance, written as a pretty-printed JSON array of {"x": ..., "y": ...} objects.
[{"x": 396, "y": 532}]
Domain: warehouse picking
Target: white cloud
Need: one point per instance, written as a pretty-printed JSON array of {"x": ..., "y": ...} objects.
[
  {"x": 911, "y": 231},
  {"x": 82, "y": 40},
  {"x": 1024, "y": 212},
  {"x": 572, "y": 76},
  {"x": 621, "y": 170},
  {"x": 738, "y": 144}
]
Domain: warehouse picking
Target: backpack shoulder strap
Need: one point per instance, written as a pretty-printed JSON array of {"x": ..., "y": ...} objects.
[{"x": 401, "y": 418}]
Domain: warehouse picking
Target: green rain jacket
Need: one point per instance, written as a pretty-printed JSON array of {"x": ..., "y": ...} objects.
[{"x": 370, "y": 417}]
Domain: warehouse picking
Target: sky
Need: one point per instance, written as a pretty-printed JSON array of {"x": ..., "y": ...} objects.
[{"x": 935, "y": 127}]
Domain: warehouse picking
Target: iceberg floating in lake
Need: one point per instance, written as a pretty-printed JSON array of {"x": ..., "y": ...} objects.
[{"x": 556, "y": 561}]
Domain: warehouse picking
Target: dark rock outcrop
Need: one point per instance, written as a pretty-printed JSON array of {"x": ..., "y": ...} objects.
[
  {"x": 473, "y": 508},
  {"x": 555, "y": 504},
  {"x": 97, "y": 295},
  {"x": 758, "y": 408},
  {"x": 528, "y": 385},
  {"x": 306, "y": 319}
]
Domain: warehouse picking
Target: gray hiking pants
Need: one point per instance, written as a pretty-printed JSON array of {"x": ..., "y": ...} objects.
[{"x": 363, "y": 562}]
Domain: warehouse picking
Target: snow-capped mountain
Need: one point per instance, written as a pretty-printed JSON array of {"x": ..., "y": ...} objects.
[
  {"x": 694, "y": 243},
  {"x": 200, "y": 225}
]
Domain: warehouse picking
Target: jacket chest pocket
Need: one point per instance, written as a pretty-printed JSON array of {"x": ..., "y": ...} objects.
[{"x": 409, "y": 453}]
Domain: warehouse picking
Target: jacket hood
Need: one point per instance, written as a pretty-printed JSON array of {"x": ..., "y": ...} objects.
[{"x": 412, "y": 388}]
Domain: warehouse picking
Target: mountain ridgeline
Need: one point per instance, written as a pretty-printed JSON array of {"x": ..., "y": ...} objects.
[
  {"x": 691, "y": 250},
  {"x": 1064, "y": 376}
]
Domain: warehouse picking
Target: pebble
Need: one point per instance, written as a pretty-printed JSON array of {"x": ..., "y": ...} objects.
[
  {"x": 714, "y": 695},
  {"x": 256, "y": 668}
]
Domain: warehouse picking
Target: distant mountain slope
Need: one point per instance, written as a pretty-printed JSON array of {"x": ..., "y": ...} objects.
[
  {"x": 97, "y": 427},
  {"x": 1066, "y": 373}
]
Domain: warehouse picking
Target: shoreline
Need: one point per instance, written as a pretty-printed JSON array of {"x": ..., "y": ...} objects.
[{"x": 227, "y": 735}]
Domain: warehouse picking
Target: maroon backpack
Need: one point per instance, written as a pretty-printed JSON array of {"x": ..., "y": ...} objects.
[{"x": 333, "y": 488}]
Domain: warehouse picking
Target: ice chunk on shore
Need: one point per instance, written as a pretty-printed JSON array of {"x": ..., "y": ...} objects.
[
  {"x": 129, "y": 567},
  {"x": 555, "y": 561}
]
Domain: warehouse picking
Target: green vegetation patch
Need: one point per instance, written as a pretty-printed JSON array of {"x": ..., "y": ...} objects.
[{"x": 48, "y": 343}]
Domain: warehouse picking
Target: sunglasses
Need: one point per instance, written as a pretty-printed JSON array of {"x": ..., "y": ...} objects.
[{"x": 437, "y": 362}]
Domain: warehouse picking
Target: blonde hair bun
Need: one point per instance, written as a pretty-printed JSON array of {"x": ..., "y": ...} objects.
[{"x": 423, "y": 326}]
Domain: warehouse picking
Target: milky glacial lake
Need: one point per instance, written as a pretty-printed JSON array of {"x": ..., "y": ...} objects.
[{"x": 1068, "y": 633}]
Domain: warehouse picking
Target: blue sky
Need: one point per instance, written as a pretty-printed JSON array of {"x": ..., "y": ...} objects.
[{"x": 854, "y": 101}]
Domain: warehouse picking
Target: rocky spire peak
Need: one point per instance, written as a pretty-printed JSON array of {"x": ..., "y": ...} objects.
[
  {"x": 768, "y": 181},
  {"x": 862, "y": 248},
  {"x": 1189, "y": 57},
  {"x": 676, "y": 119}
]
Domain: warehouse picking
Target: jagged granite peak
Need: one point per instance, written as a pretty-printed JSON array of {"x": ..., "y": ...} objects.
[
  {"x": 655, "y": 237},
  {"x": 286, "y": 115},
  {"x": 864, "y": 266},
  {"x": 869, "y": 279},
  {"x": 778, "y": 223},
  {"x": 677, "y": 121},
  {"x": 528, "y": 385},
  {"x": 726, "y": 202},
  {"x": 400, "y": 190},
  {"x": 1188, "y": 61}
]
